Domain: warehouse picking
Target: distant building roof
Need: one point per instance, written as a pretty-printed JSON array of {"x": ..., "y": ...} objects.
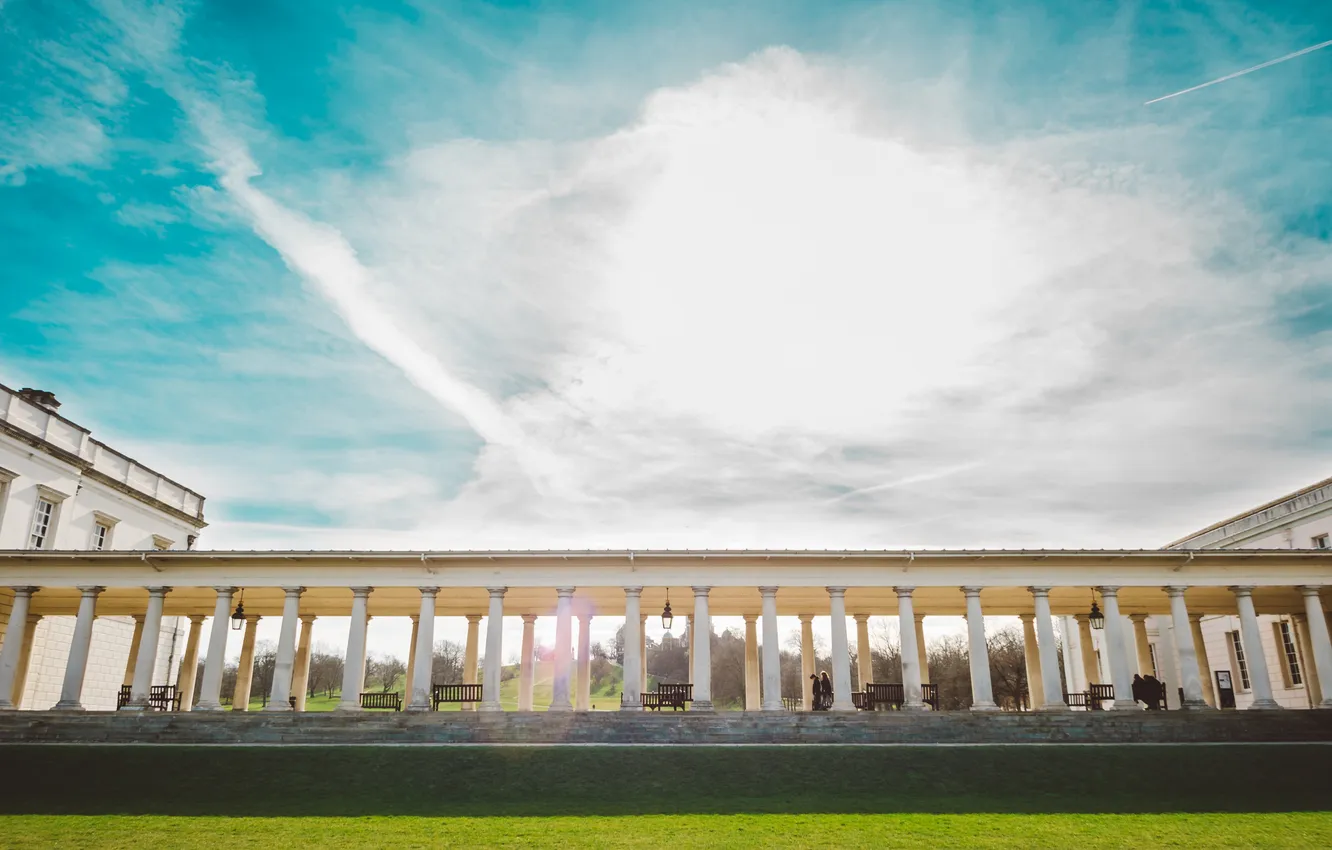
[{"x": 1265, "y": 518}]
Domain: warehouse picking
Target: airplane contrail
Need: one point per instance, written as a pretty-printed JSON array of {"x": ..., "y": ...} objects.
[{"x": 1245, "y": 71}]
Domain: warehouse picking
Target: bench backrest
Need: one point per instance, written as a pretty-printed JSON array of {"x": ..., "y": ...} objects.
[
  {"x": 392, "y": 699},
  {"x": 677, "y": 692},
  {"x": 456, "y": 693},
  {"x": 1101, "y": 693}
]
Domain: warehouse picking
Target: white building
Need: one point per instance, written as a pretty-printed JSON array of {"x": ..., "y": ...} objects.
[{"x": 60, "y": 489}]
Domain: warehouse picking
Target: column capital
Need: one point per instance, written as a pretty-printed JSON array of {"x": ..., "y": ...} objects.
[
  {"x": 474, "y": 619},
  {"x": 1082, "y": 619},
  {"x": 1039, "y": 591},
  {"x": 860, "y": 618},
  {"x": 307, "y": 618},
  {"x": 497, "y": 592},
  {"x": 226, "y": 591},
  {"x": 919, "y": 615},
  {"x": 25, "y": 590},
  {"x": 1307, "y": 590},
  {"x": 565, "y": 592},
  {"x": 415, "y": 618},
  {"x": 529, "y": 619},
  {"x": 363, "y": 592},
  {"x": 904, "y": 591},
  {"x": 701, "y": 591},
  {"x": 633, "y": 591},
  {"x": 585, "y": 616},
  {"x": 252, "y": 618},
  {"x": 158, "y": 591},
  {"x": 971, "y": 590},
  {"x": 1196, "y": 616},
  {"x": 1108, "y": 590},
  {"x": 197, "y": 619},
  {"x": 293, "y": 591},
  {"x": 836, "y": 591},
  {"x": 1242, "y": 589},
  {"x": 1138, "y": 618},
  {"x": 750, "y": 618},
  {"x": 805, "y": 618},
  {"x": 138, "y": 618},
  {"x": 767, "y": 591},
  {"x": 90, "y": 590},
  {"x": 1027, "y": 617},
  {"x": 429, "y": 591},
  {"x": 1174, "y": 590}
]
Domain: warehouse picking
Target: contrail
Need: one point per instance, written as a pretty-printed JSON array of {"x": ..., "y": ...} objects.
[{"x": 1245, "y": 71}]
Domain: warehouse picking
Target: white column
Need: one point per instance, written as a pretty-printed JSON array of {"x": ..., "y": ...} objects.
[
  {"x": 1121, "y": 676},
  {"x": 1031, "y": 654},
  {"x": 559, "y": 689},
  {"x": 1190, "y": 675},
  {"x": 912, "y": 699},
  {"x": 1319, "y": 641},
  {"x": 1167, "y": 660},
  {"x": 633, "y": 650},
  {"x": 1073, "y": 678},
  {"x": 147, "y": 660},
  {"x": 25, "y": 659},
  {"x": 841, "y": 653},
  {"x": 471, "y": 651},
  {"x": 1045, "y": 637},
  {"x": 806, "y": 661},
  {"x": 1313, "y": 688},
  {"x": 1091, "y": 668},
  {"x": 772, "y": 672},
  {"x": 583, "y": 694},
  {"x": 71, "y": 692},
  {"x": 751, "y": 663},
  {"x": 490, "y": 685},
  {"x": 702, "y": 643},
  {"x": 864, "y": 653},
  {"x": 1204, "y": 666},
  {"x": 300, "y": 673},
  {"x": 285, "y": 664},
  {"x": 424, "y": 652},
  {"x": 978, "y": 651},
  {"x": 135, "y": 641},
  {"x": 1143, "y": 644},
  {"x": 189, "y": 664},
  {"x": 526, "y": 662},
  {"x": 922, "y": 650},
  {"x": 1253, "y": 650},
  {"x": 411, "y": 653},
  {"x": 643, "y": 653},
  {"x": 353, "y": 666},
  {"x": 210, "y": 692}
]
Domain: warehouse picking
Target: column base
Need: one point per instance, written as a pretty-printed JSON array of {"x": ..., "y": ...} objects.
[
  {"x": 1264, "y": 705},
  {"x": 1053, "y": 708},
  {"x": 274, "y": 706},
  {"x": 135, "y": 706},
  {"x": 631, "y": 706},
  {"x": 68, "y": 705},
  {"x": 919, "y": 706},
  {"x": 1195, "y": 705},
  {"x": 209, "y": 706},
  {"x": 773, "y": 708},
  {"x": 490, "y": 706},
  {"x": 6, "y": 705},
  {"x": 984, "y": 706},
  {"x": 1126, "y": 705},
  {"x": 417, "y": 707},
  {"x": 701, "y": 705},
  {"x": 348, "y": 706},
  {"x": 1327, "y": 703},
  {"x": 560, "y": 708},
  {"x": 848, "y": 706}
]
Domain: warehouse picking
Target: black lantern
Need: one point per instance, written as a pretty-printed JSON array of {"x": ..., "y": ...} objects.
[
  {"x": 666, "y": 616},
  {"x": 1095, "y": 617},
  {"x": 238, "y": 616}
]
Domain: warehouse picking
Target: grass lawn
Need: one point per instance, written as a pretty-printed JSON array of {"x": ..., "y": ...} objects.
[{"x": 1014, "y": 796}]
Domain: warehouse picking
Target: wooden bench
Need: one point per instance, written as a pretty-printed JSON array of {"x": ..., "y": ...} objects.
[
  {"x": 792, "y": 703},
  {"x": 160, "y": 698},
  {"x": 1080, "y": 699},
  {"x": 673, "y": 695},
  {"x": 391, "y": 700},
  {"x": 1099, "y": 695},
  {"x": 858, "y": 699},
  {"x": 890, "y": 695},
  {"x": 440, "y": 694}
]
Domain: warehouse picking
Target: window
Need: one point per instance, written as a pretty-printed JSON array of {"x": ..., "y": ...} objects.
[
  {"x": 104, "y": 524},
  {"x": 5, "y": 477},
  {"x": 160, "y": 542},
  {"x": 1321, "y": 542},
  {"x": 1237, "y": 652},
  {"x": 1286, "y": 641},
  {"x": 1156, "y": 664},
  {"x": 42, "y": 520}
]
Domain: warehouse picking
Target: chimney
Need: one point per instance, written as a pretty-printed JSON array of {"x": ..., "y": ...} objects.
[{"x": 41, "y": 398}]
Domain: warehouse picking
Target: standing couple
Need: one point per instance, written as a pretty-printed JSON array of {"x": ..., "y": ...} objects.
[{"x": 823, "y": 692}]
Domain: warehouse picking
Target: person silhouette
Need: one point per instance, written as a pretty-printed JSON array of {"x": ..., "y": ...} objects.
[{"x": 825, "y": 685}]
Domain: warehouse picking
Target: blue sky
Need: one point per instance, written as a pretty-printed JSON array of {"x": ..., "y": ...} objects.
[{"x": 614, "y": 274}]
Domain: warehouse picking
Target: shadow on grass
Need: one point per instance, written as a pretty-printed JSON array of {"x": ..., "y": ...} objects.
[{"x": 516, "y": 781}]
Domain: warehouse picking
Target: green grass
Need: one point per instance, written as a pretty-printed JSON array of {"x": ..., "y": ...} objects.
[{"x": 1013, "y": 796}]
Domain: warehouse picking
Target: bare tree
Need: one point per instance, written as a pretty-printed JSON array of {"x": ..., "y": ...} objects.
[
  {"x": 265, "y": 660},
  {"x": 383, "y": 671},
  {"x": 1008, "y": 667},
  {"x": 446, "y": 662},
  {"x": 326, "y": 667},
  {"x": 950, "y": 669}
]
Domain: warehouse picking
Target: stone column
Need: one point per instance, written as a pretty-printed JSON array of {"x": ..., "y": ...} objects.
[
  {"x": 189, "y": 663},
  {"x": 210, "y": 692},
  {"x": 411, "y": 652},
  {"x": 1045, "y": 643},
  {"x": 559, "y": 688},
  {"x": 1090, "y": 666},
  {"x": 528, "y": 661},
  {"x": 1031, "y": 654},
  {"x": 1313, "y": 688},
  {"x": 1121, "y": 676},
  {"x": 71, "y": 691},
  {"x": 912, "y": 698},
  {"x": 1143, "y": 645},
  {"x": 135, "y": 641},
  {"x": 841, "y": 652},
  {"x": 864, "y": 653},
  {"x": 25, "y": 658},
  {"x": 284, "y": 667},
  {"x": 1074, "y": 680},
  {"x": 1167, "y": 663},
  {"x": 1204, "y": 666},
  {"x": 978, "y": 651},
  {"x": 584, "y": 690},
  {"x": 16, "y": 641},
  {"x": 633, "y": 650},
  {"x": 701, "y": 625},
  {"x": 1253, "y": 650},
  {"x": 471, "y": 650},
  {"x": 353, "y": 666},
  {"x": 300, "y": 671},
  {"x": 806, "y": 661},
  {"x": 922, "y": 650},
  {"x": 751, "y": 663},
  {"x": 423, "y": 652},
  {"x": 240, "y": 698},
  {"x": 772, "y": 672},
  {"x": 490, "y": 687},
  {"x": 689, "y": 645},
  {"x": 643, "y": 654},
  {"x": 1190, "y": 676},
  {"x": 1319, "y": 641},
  {"x": 147, "y": 660}
]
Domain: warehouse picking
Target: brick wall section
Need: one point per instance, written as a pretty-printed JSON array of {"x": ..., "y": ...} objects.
[{"x": 106, "y": 660}]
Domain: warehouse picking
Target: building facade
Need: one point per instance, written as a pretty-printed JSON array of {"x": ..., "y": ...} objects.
[{"x": 62, "y": 490}]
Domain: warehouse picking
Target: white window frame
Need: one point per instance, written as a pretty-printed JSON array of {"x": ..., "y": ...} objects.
[
  {"x": 161, "y": 543},
  {"x": 102, "y": 522},
  {"x": 1290, "y": 654},
  {"x": 54, "y": 498},
  {"x": 1238, "y": 659},
  {"x": 1320, "y": 541},
  {"x": 6, "y": 478}
]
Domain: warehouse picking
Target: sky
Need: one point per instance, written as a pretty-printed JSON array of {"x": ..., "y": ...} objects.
[{"x": 642, "y": 275}]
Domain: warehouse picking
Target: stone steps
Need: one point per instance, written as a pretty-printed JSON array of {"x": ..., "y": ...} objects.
[{"x": 666, "y": 728}]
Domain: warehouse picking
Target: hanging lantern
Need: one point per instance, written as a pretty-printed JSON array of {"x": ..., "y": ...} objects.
[
  {"x": 1094, "y": 617},
  {"x": 666, "y": 616},
  {"x": 238, "y": 616}
]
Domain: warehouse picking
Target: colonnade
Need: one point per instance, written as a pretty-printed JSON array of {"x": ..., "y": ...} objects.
[{"x": 293, "y": 650}]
